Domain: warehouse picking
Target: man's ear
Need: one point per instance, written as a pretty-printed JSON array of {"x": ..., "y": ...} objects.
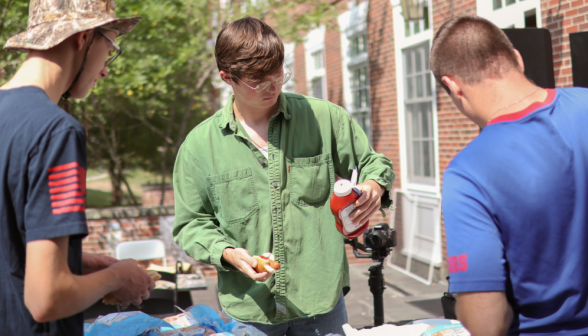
[
  {"x": 226, "y": 77},
  {"x": 81, "y": 38},
  {"x": 453, "y": 85},
  {"x": 520, "y": 60}
]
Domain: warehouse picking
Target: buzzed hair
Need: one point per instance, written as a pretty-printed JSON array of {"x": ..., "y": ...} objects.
[
  {"x": 472, "y": 49},
  {"x": 249, "y": 49}
]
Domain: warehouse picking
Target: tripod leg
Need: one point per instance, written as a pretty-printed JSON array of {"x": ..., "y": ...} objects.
[{"x": 376, "y": 283}]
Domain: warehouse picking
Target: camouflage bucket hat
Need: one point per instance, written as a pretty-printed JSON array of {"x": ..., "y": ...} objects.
[{"x": 53, "y": 21}]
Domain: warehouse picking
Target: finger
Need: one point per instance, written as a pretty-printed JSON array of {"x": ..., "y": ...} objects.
[
  {"x": 137, "y": 302},
  {"x": 367, "y": 214},
  {"x": 360, "y": 209},
  {"x": 145, "y": 296},
  {"x": 151, "y": 285},
  {"x": 262, "y": 277},
  {"x": 365, "y": 195},
  {"x": 247, "y": 269}
]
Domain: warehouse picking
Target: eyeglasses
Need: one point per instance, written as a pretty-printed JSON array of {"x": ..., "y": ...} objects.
[
  {"x": 117, "y": 52},
  {"x": 283, "y": 79}
]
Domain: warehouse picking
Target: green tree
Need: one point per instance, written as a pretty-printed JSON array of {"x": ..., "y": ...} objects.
[{"x": 161, "y": 86}]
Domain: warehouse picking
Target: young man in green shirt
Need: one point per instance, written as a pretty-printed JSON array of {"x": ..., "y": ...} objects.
[{"x": 256, "y": 177}]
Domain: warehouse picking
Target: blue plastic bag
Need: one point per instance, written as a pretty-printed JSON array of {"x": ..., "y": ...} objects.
[{"x": 126, "y": 323}]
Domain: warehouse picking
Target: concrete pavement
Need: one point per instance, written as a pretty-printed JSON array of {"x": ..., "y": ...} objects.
[{"x": 405, "y": 298}]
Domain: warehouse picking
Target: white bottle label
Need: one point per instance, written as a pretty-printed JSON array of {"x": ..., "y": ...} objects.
[{"x": 347, "y": 222}]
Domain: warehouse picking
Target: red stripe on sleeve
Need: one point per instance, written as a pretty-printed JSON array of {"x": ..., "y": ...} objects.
[
  {"x": 66, "y": 195},
  {"x": 68, "y": 202},
  {"x": 64, "y": 181},
  {"x": 73, "y": 208},
  {"x": 56, "y": 176},
  {"x": 64, "y": 167},
  {"x": 57, "y": 190}
]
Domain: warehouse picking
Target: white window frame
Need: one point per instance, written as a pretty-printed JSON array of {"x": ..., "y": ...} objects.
[
  {"x": 353, "y": 23},
  {"x": 315, "y": 42},
  {"x": 420, "y": 192},
  {"x": 289, "y": 60},
  {"x": 511, "y": 16},
  {"x": 402, "y": 43}
]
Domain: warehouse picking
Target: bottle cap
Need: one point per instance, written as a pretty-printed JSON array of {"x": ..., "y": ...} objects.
[{"x": 342, "y": 188}]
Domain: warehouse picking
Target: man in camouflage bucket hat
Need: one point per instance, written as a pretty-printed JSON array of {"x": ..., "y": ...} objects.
[{"x": 45, "y": 279}]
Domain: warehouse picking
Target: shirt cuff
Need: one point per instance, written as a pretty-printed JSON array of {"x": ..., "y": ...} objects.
[
  {"x": 476, "y": 286},
  {"x": 216, "y": 257},
  {"x": 386, "y": 202}
]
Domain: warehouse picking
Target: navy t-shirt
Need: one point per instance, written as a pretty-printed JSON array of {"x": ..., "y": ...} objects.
[
  {"x": 515, "y": 204},
  {"x": 42, "y": 196}
]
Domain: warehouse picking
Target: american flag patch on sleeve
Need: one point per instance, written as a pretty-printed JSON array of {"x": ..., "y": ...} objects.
[{"x": 67, "y": 187}]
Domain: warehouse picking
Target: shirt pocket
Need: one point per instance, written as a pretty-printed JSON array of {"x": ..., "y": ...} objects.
[
  {"x": 235, "y": 194},
  {"x": 311, "y": 179}
]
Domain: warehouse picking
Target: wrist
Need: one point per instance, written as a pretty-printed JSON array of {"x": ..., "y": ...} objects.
[{"x": 227, "y": 255}]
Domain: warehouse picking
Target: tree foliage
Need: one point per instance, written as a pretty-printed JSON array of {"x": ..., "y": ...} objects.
[{"x": 163, "y": 84}]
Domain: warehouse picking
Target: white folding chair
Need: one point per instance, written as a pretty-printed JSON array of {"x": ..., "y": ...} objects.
[{"x": 142, "y": 250}]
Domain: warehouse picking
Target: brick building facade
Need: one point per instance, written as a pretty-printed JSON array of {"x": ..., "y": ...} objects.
[{"x": 376, "y": 66}]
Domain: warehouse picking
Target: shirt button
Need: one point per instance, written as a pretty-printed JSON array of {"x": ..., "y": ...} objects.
[
  {"x": 275, "y": 184},
  {"x": 261, "y": 161}
]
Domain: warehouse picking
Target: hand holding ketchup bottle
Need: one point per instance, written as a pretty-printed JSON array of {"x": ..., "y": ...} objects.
[{"x": 342, "y": 205}]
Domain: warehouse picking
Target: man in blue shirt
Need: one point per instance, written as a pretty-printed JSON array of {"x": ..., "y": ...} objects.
[
  {"x": 45, "y": 279},
  {"x": 515, "y": 200}
]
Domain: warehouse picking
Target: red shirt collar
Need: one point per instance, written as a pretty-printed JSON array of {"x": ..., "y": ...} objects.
[{"x": 519, "y": 115}]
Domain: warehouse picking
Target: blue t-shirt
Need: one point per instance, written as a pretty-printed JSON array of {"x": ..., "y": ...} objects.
[
  {"x": 515, "y": 204},
  {"x": 42, "y": 196}
]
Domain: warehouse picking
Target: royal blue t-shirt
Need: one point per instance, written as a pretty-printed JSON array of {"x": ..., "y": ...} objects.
[
  {"x": 515, "y": 203},
  {"x": 42, "y": 196}
]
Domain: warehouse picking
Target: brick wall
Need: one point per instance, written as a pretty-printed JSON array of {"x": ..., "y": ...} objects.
[
  {"x": 455, "y": 130},
  {"x": 152, "y": 195},
  {"x": 334, "y": 61},
  {"x": 104, "y": 234},
  {"x": 383, "y": 95},
  {"x": 563, "y": 18},
  {"x": 299, "y": 69}
]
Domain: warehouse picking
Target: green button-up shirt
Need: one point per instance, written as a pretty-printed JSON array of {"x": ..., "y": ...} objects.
[{"x": 227, "y": 194}]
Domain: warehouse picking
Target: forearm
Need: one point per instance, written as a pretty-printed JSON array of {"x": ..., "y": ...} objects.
[
  {"x": 484, "y": 313},
  {"x": 69, "y": 294},
  {"x": 51, "y": 291}
]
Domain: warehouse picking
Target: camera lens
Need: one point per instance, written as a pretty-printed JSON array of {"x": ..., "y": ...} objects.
[{"x": 376, "y": 239}]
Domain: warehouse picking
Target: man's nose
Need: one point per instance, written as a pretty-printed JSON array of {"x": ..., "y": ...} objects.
[
  {"x": 273, "y": 87},
  {"x": 104, "y": 73}
]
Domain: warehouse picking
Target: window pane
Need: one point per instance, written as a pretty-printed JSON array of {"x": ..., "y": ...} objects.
[
  {"x": 415, "y": 124},
  {"x": 364, "y": 39},
  {"x": 428, "y": 84},
  {"x": 367, "y": 98},
  {"x": 409, "y": 88},
  {"x": 426, "y": 159},
  {"x": 497, "y": 4},
  {"x": 317, "y": 88},
  {"x": 406, "y": 28},
  {"x": 419, "y": 86},
  {"x": 408, "y": 58},
  {"x": 418, "y": 60},
  {"x": 417, "y": 27},
  {"x": 426, "y": 49},
  {"x": 425, "y": 120},
  {"x": 416, "y": 152},
  {"x": 510, "y": 2},
  {"x": 425, "y": 17}
]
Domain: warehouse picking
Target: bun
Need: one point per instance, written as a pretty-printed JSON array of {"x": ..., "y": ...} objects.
[
  {"x": 111, "y": 299},
  {"x": 264, "y": 264}
]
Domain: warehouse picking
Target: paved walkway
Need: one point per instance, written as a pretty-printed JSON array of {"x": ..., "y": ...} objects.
[{"x": 405, "y": 298}]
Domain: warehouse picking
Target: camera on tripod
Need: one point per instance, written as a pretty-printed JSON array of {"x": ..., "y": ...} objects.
[{"x": 378, "y": 243}]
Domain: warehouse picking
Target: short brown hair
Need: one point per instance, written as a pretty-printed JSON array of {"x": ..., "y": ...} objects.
[
  {"x": 472, "y": 49},
  {"x": 249, "y": 49}
]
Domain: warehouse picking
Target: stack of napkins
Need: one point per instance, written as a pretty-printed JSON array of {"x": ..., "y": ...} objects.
[{"x": 387, "y": 330}]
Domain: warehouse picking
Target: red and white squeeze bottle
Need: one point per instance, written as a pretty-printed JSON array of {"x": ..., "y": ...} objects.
[{"x": 342, "y": 205}]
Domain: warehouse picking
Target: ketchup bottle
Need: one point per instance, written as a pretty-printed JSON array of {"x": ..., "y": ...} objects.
[{"x": 344, "y": 196}]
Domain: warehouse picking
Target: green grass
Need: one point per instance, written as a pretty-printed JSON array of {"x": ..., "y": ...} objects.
[{"x": 100, "y": 197}]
